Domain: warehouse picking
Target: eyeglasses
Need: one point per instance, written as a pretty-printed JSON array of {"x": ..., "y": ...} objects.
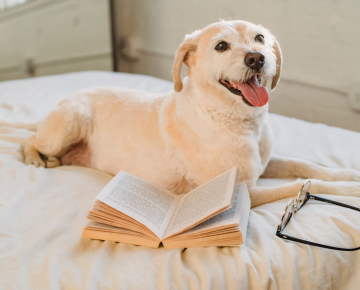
[{"x": 295, "y": 205}]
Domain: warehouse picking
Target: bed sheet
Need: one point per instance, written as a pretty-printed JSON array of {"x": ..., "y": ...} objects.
[{"x": 43, "y": 212}]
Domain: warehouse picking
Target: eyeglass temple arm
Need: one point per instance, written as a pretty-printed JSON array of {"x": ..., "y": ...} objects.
[
  {"x": 290, "y": 238},
  {"x": 333, "y": 202}
]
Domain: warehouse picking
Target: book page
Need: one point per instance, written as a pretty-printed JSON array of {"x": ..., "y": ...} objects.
[
  {"x": 231, "y": 216},
  {"x": 99, "y": 231},
  {"x": 140, "y": 200},
  {"x": 203, "y": 202},
  {"x": 244, "y": 217}
]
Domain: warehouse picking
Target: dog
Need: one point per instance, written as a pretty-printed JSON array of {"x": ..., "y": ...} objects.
[{"x": 216, "y": 117}]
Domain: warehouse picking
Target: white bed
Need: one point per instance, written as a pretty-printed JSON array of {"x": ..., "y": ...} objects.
[{"x": 43, "y": 212}]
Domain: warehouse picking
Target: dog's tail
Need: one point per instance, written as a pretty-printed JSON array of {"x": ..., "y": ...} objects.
[{"x": 29, "y": 126}]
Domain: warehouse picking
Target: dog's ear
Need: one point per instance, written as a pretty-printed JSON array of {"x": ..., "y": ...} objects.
[
  {"x": 278, "y": 55},
  {"x": 186, "y": 49}
]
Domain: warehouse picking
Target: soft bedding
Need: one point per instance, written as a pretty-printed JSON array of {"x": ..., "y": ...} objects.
[{"x": 43, "y": 212}]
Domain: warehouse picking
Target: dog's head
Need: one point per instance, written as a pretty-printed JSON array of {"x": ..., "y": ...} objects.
[{"x": 235, "y": 59}]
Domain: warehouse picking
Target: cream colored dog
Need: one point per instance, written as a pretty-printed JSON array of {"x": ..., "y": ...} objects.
[{"x": 216, "y": 118}]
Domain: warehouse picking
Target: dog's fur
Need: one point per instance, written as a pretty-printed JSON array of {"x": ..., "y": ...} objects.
[{"x": 186, "y": 137}]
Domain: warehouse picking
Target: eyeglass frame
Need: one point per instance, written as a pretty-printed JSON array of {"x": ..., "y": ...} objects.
[{"x": 309, "y": 196}]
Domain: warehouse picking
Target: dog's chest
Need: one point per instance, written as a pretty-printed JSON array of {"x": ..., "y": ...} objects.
[{"x": 222, "y": 148}]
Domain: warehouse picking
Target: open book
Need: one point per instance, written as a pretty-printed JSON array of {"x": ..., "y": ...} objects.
[{"x": 130, "y": 210}]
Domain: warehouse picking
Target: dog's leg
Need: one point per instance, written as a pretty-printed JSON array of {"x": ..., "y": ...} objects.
[
  {"x": 279, "y": 167},
  {"x": 67, "y": 125},
  {"x": 260, "y": 195}
]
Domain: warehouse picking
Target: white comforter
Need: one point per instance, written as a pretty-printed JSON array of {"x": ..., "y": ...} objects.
[{"x": 43, "y": 212}]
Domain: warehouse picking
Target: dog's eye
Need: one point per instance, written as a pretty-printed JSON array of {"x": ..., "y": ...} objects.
[
  {"x": 259, "y": 38},
  {"x": 221, "y": 46}
]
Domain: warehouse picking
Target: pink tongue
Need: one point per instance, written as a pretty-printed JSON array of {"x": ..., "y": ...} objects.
[{"x": 256, "y": 95}]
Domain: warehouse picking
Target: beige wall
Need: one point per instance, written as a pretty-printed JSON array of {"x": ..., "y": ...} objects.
[
  {"x": 45, "y": 37},
  {"x": 320, "y": 42}
]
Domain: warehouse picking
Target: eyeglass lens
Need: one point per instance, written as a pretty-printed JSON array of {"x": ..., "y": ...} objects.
[
  {"x": 287, "y": 214},
  {"x": 302, "y": 195}
]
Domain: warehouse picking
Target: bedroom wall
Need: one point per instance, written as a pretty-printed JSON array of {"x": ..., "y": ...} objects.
[
  {"x": 319, "y": 40},
  {"x": 43, "y": 37}
]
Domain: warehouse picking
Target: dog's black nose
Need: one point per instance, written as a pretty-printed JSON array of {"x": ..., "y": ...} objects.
[{"x": 255, "y": 60}]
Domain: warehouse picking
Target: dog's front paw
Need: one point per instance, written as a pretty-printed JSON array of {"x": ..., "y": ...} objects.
[
  {"x": 35, "y": 160},
  {"x": 347, "y": 175}
]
